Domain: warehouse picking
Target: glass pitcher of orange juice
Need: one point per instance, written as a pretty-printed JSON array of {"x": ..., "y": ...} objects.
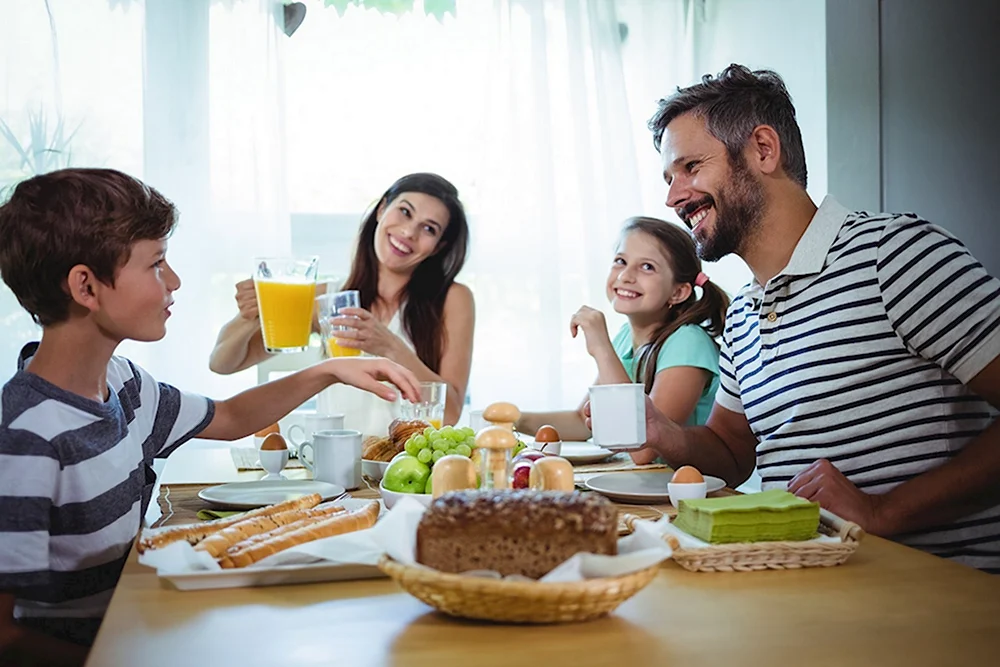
[{"x": 285, "y": 289}]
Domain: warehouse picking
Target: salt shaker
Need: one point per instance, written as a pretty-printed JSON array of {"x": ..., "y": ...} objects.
[{"x": 497, "y": 443}]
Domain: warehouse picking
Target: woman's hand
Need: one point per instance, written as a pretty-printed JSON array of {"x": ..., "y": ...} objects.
[
  {"x": 365, "y": 333},
  {"x": 595, "y": 330},
  {"x": 246, "y": 299}
]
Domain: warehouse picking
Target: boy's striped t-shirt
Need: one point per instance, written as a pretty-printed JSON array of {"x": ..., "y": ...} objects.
[
  {"x": 75, "y": 480},
  {"x": 860, "y": 352}
]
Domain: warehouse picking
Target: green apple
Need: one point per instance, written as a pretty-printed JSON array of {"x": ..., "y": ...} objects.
[{"x": 406, "y": 474}]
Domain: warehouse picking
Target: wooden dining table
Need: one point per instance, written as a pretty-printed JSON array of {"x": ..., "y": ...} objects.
[{"x": 887, "y": 605}]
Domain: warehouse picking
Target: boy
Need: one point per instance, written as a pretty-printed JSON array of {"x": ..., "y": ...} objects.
[{"x": 84, "y": 252}]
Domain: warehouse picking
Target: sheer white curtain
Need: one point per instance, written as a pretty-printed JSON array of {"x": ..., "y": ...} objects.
[
  {"x": 186, "y": 95},
  {"x": 270, "y": 144}
]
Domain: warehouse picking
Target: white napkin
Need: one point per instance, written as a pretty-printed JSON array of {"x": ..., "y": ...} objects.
[{"x": 396, "y": 534}]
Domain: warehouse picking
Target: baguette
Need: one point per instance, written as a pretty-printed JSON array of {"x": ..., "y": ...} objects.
[
  {"x": 320, "y": 513},
  {"x": 339, "y": 524},
  {"x": 217, "y": 543},
  {"x": 196, "y": 532}
]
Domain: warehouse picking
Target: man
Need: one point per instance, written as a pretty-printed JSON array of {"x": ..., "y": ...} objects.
[{"x": 861, "y": 366}]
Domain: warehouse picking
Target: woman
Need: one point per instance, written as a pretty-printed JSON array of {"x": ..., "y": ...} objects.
[
  {"x": 410, "y": 248},
  {"x": 668, "y": 342}
]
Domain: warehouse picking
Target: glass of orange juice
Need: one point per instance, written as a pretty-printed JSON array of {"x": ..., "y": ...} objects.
[
  {"x": 430, "y": 408},
  {"x": 285, "y": 288},
  {"x": 329, "y": 306}
]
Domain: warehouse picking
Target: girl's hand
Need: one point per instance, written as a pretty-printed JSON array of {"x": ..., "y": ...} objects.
[
  {"x": 368, "y": 374},
  {"x": 365, "y": 333},
  {"x": 246, "y": 299},
  {"x": 594, "y": 327}
]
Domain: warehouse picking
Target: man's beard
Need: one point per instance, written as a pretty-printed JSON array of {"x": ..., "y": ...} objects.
[{"x": 738, "y": 213}]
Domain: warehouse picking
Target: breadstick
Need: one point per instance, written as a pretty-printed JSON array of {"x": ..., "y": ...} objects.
[
  {"x": 320, "y": 513},
  {"x": 217, "y": 543},
  {"x": 339, "y": 524},
  {"x": 195, "y": 532}
]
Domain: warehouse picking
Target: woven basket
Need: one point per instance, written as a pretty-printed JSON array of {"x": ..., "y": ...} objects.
[
  {"x": 746, "y": 557},
  {"x": 516, "y": 601}
]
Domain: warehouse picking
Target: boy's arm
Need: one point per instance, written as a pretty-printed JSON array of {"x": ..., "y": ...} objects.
[
  {"x": 253, "y": 409},
  {"x": 23, "y": 646}
]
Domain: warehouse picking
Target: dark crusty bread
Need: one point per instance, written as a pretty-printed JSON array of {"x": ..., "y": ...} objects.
[{"x": 514, "y": 532}]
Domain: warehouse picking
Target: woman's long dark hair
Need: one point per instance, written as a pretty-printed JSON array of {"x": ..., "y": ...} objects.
[
  {"x": 708, "y": 310},
  {"x": 424, "y": 294}
]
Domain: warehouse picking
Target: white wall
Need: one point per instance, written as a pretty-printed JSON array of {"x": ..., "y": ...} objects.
[{"x": 674, "y": 42}]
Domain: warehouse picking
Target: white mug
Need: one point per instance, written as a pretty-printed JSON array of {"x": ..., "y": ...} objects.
[
  {"x": 336, "y": 457},
  {"x": 314, "y": 423},
  {"x": 618, "y": 416}
]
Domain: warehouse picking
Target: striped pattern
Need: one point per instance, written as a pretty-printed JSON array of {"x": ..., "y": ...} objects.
[
  {"x": 858, "y": 353},
  {"x": 75, "y": 479}
]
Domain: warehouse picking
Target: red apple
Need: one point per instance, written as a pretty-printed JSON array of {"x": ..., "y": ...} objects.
[
  {"x": 529, "y": 455},
  {"x": 520, "y": 475}
]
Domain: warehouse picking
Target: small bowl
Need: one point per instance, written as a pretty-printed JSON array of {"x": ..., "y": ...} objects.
[
  {"x": 689, "y": 491},
  {"x": 390, "y": 498},
  {"x": 374, "y": 469}
]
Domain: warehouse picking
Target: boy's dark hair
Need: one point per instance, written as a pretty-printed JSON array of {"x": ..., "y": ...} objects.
[
  {"x": 733, "y": 104},
  {"x": 57, "y": 220}
]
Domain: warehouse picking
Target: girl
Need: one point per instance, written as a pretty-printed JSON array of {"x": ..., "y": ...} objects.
[
  {"x": 674, "y": 313},
  {"x": 410, "y": 248}
]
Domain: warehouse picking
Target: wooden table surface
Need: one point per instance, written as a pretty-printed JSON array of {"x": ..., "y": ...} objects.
[{"x": 888, "y": 605}]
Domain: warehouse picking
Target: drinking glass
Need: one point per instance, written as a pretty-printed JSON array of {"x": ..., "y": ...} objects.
[
  {"x": 329, "y": 306},
  {"x": 430, "y": 408},
  {"x": 285, "y": 289}
]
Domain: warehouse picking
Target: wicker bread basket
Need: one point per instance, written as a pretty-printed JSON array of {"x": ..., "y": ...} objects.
[
  {"x": 745, "y": 557},
  {"x": 516, "y": 601}
]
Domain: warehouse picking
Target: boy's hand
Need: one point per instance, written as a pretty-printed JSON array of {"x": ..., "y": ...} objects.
[
  {"x": 368, "y": 372},
  {"x": 246, "y": 299},
  {"x": 594, "y": 327}
]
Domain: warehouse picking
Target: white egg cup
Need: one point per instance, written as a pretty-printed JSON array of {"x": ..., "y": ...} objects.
[
  {"x": 550, "y": 448},
  {"x": 273, "y": 461},
  {"x": 686, "y": 491}
]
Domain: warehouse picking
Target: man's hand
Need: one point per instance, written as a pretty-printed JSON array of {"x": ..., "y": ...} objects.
[
  {"x": 824, "y": 484},
  {"x": 368, "y": 373}
]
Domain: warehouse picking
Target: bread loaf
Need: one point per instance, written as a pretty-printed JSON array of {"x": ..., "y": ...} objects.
[
  {"x": 514, "y": 532},
  {"x": 217, "y": 543}
]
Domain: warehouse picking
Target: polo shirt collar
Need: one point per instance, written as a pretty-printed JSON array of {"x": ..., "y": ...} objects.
[{"x": 810, "y": 252}]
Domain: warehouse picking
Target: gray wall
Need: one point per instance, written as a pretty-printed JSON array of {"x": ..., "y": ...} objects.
[{"x": 913, "y": 106}]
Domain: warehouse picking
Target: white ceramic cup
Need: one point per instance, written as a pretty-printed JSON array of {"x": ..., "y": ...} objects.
[
  {"x": 618, "y": 416},
  {"x": 686, "y": 491},
  {"x": 476, "y": 421},
  {"x": 335, "y": 457},
  {"x": 314, "y": 423}
]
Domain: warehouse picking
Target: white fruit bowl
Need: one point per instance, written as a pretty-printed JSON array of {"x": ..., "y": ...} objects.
[
  {"x": 390, "y": 498},
  {"x": 374, "y": 469}
]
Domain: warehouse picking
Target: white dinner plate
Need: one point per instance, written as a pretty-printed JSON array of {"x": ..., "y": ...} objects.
[
  {"x": 248, "y": 495},
  {"x": 641, "y": 487}
]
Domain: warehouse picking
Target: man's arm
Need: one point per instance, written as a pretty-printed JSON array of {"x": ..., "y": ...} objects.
[
  {"x": 967, "y": 483},
  {"x": 23, "y": 646}
]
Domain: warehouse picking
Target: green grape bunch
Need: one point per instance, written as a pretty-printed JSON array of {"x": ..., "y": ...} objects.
[{"x": 431, "y": 444}]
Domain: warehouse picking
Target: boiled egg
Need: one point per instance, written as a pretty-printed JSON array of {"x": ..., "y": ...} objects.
[
  {"x": 687, "y": 475},
  {"x": 547, "y": 434},
  {"x": 274, "y": 441}
]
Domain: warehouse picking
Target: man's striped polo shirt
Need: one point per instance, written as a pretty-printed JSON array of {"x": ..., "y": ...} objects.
[{"x": 859, "y": 352}]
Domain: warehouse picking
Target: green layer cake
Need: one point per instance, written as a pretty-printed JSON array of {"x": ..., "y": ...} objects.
[{"x": 755, "y": 517}]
